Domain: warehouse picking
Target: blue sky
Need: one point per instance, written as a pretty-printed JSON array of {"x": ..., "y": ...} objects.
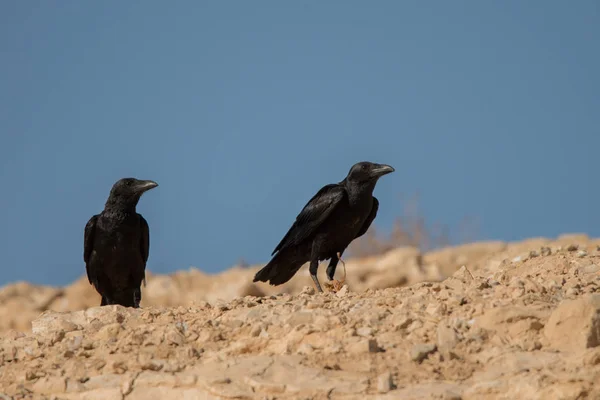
[{"x": 242, "y": 110}]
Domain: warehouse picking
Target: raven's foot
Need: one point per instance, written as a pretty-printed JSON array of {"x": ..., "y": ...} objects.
[
  {"x": 339, "y": 256},
  {"x": 317, "y": 284},
  {"x": 334, "y": 285}
]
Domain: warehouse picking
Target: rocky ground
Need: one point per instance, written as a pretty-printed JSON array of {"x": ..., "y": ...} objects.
[{"x": 480, "y": 321}]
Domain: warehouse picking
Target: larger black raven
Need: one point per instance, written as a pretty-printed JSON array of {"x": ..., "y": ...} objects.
[
  {"x": 116, "y": 245},
  {"x": 334, "y": 217}
]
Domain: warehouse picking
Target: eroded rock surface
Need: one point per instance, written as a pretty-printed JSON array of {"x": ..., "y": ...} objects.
[{"x": 517, "y": 321}]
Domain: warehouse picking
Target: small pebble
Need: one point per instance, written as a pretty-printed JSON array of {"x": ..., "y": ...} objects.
[
  {"x": 308, "y": 290},
  {"x": 384, "y": 382},
  {"x": 343, "y": 291},
  {"x": 373, "y": 346},
  {"x": 255, "y": 331},
  {"x": 420, "y": 352},
  {"x": 572, "y": 292},
  {"x": 305, "y": 348},
  {"x": 364, "y": 331}
]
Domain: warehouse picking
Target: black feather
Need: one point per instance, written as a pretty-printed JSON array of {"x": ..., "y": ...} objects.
[{"x": 117, "y": 245}]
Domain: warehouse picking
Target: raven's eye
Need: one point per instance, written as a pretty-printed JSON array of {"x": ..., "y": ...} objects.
[
  {"x": 363, "y": 167},
  {"x": 129, "y": 183}
]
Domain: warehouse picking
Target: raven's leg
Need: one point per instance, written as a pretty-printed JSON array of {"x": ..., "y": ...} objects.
[
  {"x": 137, "y": 297},
  {"x": 104, "y": 301},
  {"x": 331, "y": 267},
  {"x": 314, "y": 265}
]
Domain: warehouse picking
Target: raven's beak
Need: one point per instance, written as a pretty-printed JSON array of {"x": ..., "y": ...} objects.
[
  {"x": 146, "y": 185},
  {"x": 382, "y": 169}
]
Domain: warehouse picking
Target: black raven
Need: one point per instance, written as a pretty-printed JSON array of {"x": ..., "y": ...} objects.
[
  {"x": 116, "y": 245},
  {"x": 334, "y": 217}
]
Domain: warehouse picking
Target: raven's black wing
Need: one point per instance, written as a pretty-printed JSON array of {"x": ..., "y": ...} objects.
[
  {"x": 312, "y": 215},
  {"x": 88, "y": 246},
  {"x": 144, "y": 247},
  {"x": 369, "y": 219}
]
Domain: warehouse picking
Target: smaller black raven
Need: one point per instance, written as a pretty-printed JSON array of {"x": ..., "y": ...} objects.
[
  {"x": 116, "y": 245},
  {"x": 328, "y": 223}
]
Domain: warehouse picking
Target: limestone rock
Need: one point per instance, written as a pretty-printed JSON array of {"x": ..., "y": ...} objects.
[
  {"x": 575, "y": 324},
  {"x": 447, "y": 339},
  {"x": 494, "y": 329}
]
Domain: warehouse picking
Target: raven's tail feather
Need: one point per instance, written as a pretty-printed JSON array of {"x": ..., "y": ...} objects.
[{"x": 281, "y": 268}]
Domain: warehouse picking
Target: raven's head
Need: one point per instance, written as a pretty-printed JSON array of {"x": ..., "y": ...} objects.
[
  {"x": 365, "y": 171},
  {"x": 126, "y": 192}
]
